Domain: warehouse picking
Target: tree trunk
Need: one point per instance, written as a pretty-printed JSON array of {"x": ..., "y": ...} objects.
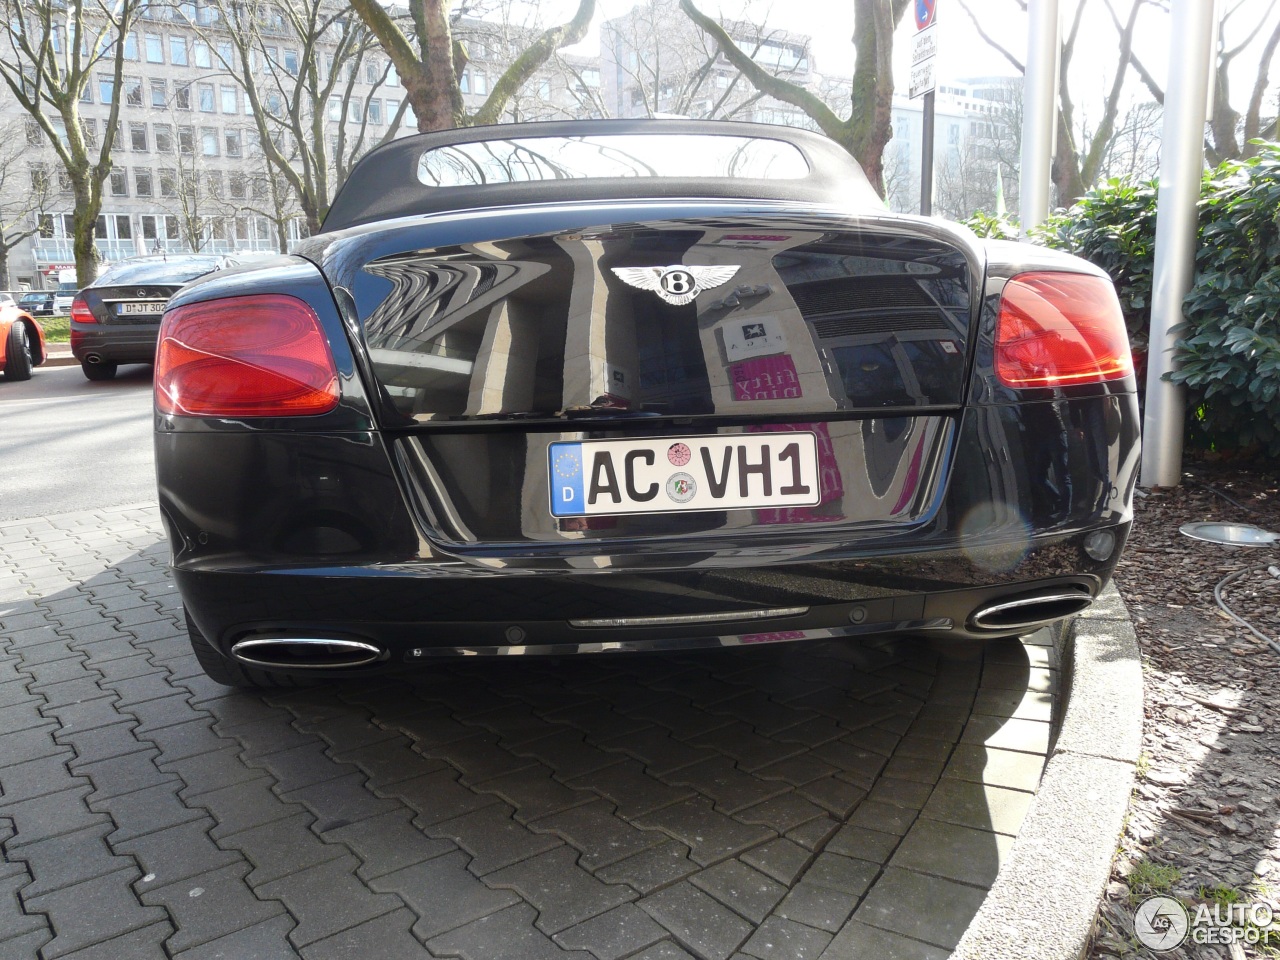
[
  {"x": 85, "y": 223},
  {"x": 282, "y": 236},
  {"x": 4, "y": 267}
]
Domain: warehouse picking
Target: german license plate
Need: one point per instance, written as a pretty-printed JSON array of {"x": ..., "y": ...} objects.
[
  {"x": 670, "y": 475},
  {"x": 139, "y": 309}
]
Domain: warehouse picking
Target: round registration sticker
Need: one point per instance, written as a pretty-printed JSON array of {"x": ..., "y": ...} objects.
[
  {"x": 679, "y": 454},
  {"x": 681, "y": 487}
]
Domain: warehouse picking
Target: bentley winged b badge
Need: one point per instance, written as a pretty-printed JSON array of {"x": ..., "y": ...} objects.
[{"x": 676, "y": 284}]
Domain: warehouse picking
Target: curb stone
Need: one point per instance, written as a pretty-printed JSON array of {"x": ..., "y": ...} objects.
[{"x": 1044, "y": 903}]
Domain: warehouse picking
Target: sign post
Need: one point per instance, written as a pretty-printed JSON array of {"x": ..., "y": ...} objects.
[{"x": 924, "y": 50}]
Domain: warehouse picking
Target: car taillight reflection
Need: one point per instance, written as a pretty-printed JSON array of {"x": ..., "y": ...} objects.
[
  {"x": 80, "y": 312},
  {"x": 257, "y": 356},
  {"x": 1059, "y": 329}
]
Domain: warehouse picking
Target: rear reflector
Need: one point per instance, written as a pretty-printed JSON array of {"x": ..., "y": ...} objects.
[
  {"x": 261, "y": 356},
  {"x": 81, "y": 313},
  {"x": 1059, "y": 329}
]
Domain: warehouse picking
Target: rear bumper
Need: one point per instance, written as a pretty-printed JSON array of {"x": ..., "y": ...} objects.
[{"x": 131, "y": 343}]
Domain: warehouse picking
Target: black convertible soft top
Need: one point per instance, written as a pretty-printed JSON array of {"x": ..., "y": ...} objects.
[{"x": 403, "y": 177}]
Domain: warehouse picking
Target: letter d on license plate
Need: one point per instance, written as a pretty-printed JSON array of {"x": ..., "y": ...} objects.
[{"x": 671, "y": 474}]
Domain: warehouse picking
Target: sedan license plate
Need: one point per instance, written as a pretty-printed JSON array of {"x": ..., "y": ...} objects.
[
  {"x": 139, "y": 309},
  {"x": 669, "y": 475}
]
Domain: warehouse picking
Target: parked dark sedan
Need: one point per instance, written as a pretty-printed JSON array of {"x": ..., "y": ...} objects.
[
  {"x": 116, "y": 319},
  {"x": 633, "y": 385}
]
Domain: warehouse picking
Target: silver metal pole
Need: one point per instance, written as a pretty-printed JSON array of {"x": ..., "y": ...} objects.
[
  {"x": 1191, "y": 32},
  {"x": 1039, "y": 110}
]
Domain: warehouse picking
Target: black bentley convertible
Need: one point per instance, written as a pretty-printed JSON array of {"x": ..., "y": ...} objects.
[{"x": 619, "y": 385}]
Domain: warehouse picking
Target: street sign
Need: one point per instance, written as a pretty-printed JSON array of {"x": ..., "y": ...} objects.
[
  {"x": 924, "y": 44},
  {"x": 924, "y": 11},
  {"x": 922, "y": 78}
]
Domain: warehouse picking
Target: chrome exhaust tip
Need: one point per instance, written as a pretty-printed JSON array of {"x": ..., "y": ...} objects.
[
  {"x": 1030, "y": 609},
  {"x": 92, "y": 358},
  {"x": 305, "y": 653}
]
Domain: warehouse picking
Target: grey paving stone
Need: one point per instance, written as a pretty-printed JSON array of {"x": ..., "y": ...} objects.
[
  {"x": 238, "y": 707},
  {"x": 710, "y": 835},
  {"x": 883, "y": 817},
  {"x": 88, "y": 715},
  {"x": 1000, "y": 768},
  {"x": 50, "y": 816},
  {"x": 707, "y": 927},
  {"x": 910, "y": 794},
  {"x": 894, "y": 904},
  {"x": 780, "y": 858},
  {"x": 657, "y": 749},
  {"x": 93, "y": 911},
  {"x": 958, "y": 853},
  {"x": 1021, "y": 704},
  {"x": 52, "y": 672},
  {"x": 71, "y": 858},
  {"x": 854, "y": 759},
  {"x": 534, "y": 793},
  {"x": 874, "y": 739},
  {"x": 666, "y": 950},
  {"x": 568, "y": 753},
  {"x": 243, "y": 806},
  {"x": 780, "y": 939},
  {"x": 210, "y": 905},
  {"x": 849, "y": 876},
  {"x": 352, "y": 731},
  {"x": 341, "y": 801},
  {"x": 267, "y": 940},
  {"x": 922, "y": 748},
  {"x": 38, "y": 777},
  {"x": 176, "y": 853},
  {"x": 438, "y": 796},
  {"x": 328, "y": 898},
  {"x": 283, "y": 847},
  {"x": 730, "y": 788},
  {"x": 24, "y": 946},
  {"x": 562, "y": 892},
  {"x": 749, "y": 749},
  {"x": 857, "y": 941},
  {"x": 388, "y": 843},
  {"x": 833, "y": 794},
  {"x": 508, "y": 933},
  {"x": 146, "y": 811},
  {"x": 127, "y": 774},
  {"x": 164, "y": 712},
  {"x": 390, "y": 761},
  {"x": 651, "y": 870},
  {"x": 300, "y": 766},
  {"x": 102, "y": 743},
  {"x": 444, "y": 894},
  {"x": 798, "y": 770},
  {"x": 269, "y": 735},
  {"x": 863, "y": 843},
  {"x": 140, "y": 689},
  {"x": 610, "y": 936},
  {"x": 388, "y": 937},
  {"x": 14, "y": 921},
  {"x": 141, "y": 944},
  {"x": 207, "y": 772},
  {"x": 493, "y": 838},
  {"x": 190, "y": 739},
  {"x": 114, "y": 646},
  {"x": 630, "y": 788},
  {"x": 1027, "y": 736},
  {"x": 514, "y": 723},
  {"x": 919, "y": 769},
  {"x": 746, "y": 891},
  {"x": 598, "y": 834},
  {"x": 977, "y": 805},
  {"x": 814, "y": 834},
  {"x": 817, "y": 906}
]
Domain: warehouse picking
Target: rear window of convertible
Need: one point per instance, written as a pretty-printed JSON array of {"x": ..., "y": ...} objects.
[{"x": 609, "y": 156}]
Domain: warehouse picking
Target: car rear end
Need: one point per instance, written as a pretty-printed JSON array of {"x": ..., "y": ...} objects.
[{"x": 534, "y": 429}]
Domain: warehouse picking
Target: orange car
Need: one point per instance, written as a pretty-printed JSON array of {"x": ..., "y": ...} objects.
[{"x": 21, "y": 343}]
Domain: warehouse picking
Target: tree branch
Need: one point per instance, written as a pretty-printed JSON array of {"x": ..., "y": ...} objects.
[{"x": 990, "y": 41}]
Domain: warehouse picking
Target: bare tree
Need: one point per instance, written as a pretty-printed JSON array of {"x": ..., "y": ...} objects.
[
  {"x": 869, "y": 125},
  {"x": 24, "y": 194},
  {"x": 431, "y": 60},
  {"x": 49, "y": 51}
]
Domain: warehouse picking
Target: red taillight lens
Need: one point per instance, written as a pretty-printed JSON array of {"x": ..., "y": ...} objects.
[
  {"x": 81, "y": 313},
  {"x": 1058, "y": 329},
  {"x": 263, "y": 356}
]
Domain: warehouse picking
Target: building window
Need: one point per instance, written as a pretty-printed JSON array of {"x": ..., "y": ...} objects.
[
  {"x": 131, "y": 46},
  {"x": 953, "y": 135},
  {"x": 544, "y": 89},
  {"x": 182, "y": 96},
  {"x": 232, "y": 140},
  {"x": 171, "y": 228},
  {"x": 239, "y": 189},
  {"x": 275, "y": 104},
  {"x": 375, "y": 111},
  {"x": 133, "y": 91},
  {"x": 124, "y": 229},
  {"x": 208, "y": 141},
  {"x": 155, "y": 48},
  {"x": 119, "y": 183},
  {"x": 393, "y": 78},
  {"x": 225, "y": 54},
  {"x": 142, "y": 183},
  {"x": 106, "y": 88},
  {"x": 213, "y": 183},
  {"x": 355, "y": 110},
  {"x": 205, "y": 91},
  {"x": 480, "y": 86},
  {"x": 228, "y": 94},
  {"x": 148, "y": 223},
  {"x": 371, "y": 72},
  {"x": 86, "y": 93},
  {"x": 90, "y": 130},
  {"x": 138, "y": 137},
  {"x": 159, "y": 93},
  {"x": 393, "y": 107},
  {"x": 178, "y": 51},
  {"x": 335, "y": 109},
  {"x": 200, "y": 52},
  {"x": 164, "y": 138},
  {"x": 117, "y": 137},
  {"x": 291, "y": 62},
  {"x": 168, "y": 183},
  {"x": 464, "y": 81},
  {"x": 39, "y": 178},
  {"x": 186, "y": 141}
]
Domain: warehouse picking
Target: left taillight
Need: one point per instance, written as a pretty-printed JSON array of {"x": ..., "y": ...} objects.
[
  {"x": 1060, "y": 329},
  {"x": 80, "y": 311},
  {"x": 256, "y": 356}
]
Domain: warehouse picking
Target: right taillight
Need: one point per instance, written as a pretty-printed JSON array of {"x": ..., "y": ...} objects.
[
  {"x": 80, "y": 311},
  {"x": 255, "y": 356},
  {"x": 1059, "y": 329}
]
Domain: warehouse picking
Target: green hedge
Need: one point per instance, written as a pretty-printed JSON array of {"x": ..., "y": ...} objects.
[{"x": 1229, "y": 346}]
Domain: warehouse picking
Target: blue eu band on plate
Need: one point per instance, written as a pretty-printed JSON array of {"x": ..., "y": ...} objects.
[{"x": 662, "y": 475}]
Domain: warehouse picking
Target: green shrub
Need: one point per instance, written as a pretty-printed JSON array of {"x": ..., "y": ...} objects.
[
  {"x": 993, "y": 226},
  {"x": 1229, "y": 354}
]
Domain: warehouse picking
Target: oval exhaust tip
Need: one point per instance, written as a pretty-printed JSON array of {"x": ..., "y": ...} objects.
[
  {"x": 303, "y": 653},
  {"x": 1030, "y": 610}
]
